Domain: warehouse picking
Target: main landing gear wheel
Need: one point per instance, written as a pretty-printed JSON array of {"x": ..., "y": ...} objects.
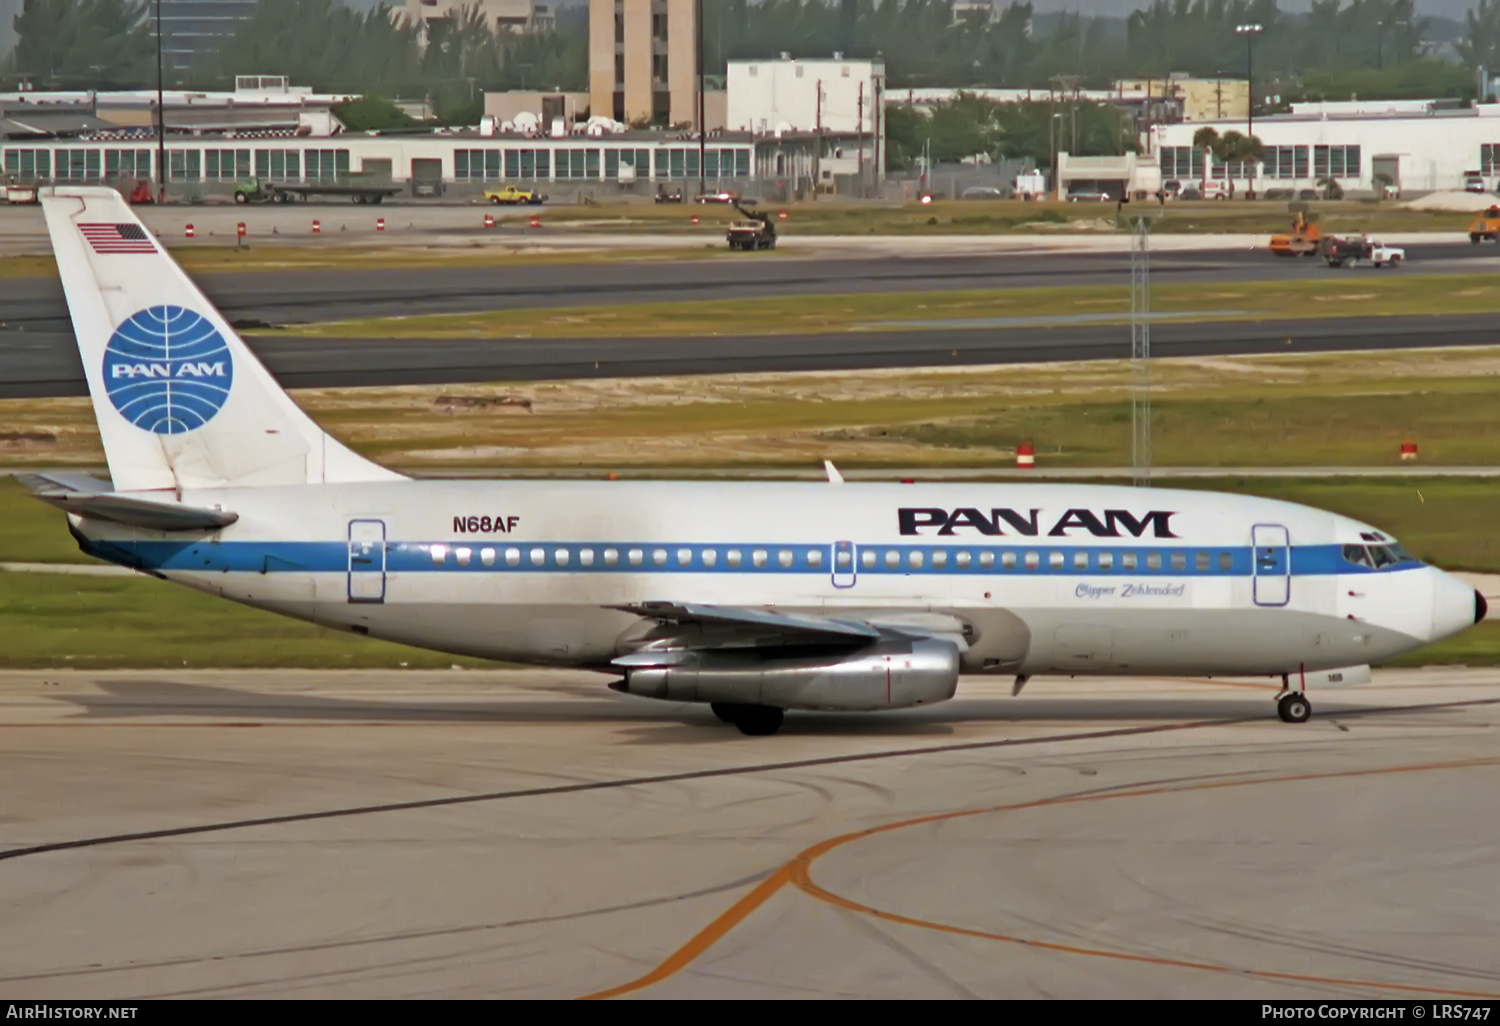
[
  {"x": 755, "y": 720},
  {"x": 1294, "y": 708}
]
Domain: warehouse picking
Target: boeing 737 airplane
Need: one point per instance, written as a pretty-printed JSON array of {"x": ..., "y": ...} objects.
[{"x": 754, "y": 597}]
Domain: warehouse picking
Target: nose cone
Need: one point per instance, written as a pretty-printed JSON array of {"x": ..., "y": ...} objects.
[{"x": 1455, "y": 606}]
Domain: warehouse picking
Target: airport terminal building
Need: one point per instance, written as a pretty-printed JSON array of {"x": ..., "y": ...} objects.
[{"x": 425, "y": 165}]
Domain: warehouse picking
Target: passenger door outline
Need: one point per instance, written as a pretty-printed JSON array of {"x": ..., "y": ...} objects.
[
  {"x": 367, "y": 561},
  {"x": 1271, "y": 564}
]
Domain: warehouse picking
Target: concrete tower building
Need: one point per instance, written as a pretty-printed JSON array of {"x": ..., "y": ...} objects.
[
  {"x": 499, "y": 15},
  {"x": 643, "y": 60},
  {"x": 192, "y": 28}
]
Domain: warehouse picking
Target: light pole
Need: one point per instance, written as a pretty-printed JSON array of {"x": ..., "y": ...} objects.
[
  {"x": 702, "y": 127},
  {"x": 161, "y": 119},
  {"x": 1249, "y": 32}
]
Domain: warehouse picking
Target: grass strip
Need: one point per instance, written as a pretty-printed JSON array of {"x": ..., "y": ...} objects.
[
  {"x": 68, "y": 620},
  {"x": 1325, "y": 293},
  {"x": 1007, "y": 217},
  {"x": 1321, "y": 410}
]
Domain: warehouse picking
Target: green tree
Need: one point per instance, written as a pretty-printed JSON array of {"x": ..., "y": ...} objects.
[
  {"x": 906, "y": 132},
  {"x": 81, "y": 44},
  {"x": 1480, "y": 46},
  {"x": 967, "y": 126},
  {"x": 371, "y": 114},
  {"x": 319, "y": 43}
]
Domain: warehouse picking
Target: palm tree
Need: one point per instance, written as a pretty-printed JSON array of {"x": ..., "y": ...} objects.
[
  {"x": 1245, "y": 150},
  {"x": 1207, "y": 140},
  {"x": 1229, "y": 148}
]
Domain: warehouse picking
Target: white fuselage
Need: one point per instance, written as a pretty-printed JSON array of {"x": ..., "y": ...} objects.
[{"x": 1049, "y": 578}]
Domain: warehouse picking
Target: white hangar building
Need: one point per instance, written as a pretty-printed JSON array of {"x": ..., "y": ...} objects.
[{"x": 1418, "y": 145}]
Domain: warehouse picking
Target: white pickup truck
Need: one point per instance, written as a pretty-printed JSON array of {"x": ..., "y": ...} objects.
[
  {"x": 1351, "y": 251},
  {"x": 1382, "y": 255}
]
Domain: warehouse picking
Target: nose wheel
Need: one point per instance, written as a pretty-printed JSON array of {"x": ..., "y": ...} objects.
[{"x": 1294, "y": 708}]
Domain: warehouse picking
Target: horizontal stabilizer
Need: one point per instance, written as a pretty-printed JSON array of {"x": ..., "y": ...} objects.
[
  {"x": 67, "y": 480},
  {"x": 743, "y": 616},
  {"x": 147, "y": 513}
]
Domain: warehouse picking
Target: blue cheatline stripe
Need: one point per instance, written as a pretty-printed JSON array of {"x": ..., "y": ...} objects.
[{"x": 1039, "y": 559}]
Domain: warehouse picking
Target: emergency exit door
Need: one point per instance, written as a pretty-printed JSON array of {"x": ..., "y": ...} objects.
[
  {"x": 1271, "y": 564},
  {"x": 366, "y": 561}
]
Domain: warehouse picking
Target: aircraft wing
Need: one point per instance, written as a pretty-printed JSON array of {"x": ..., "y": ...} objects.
[
  {"x": 710, "y": 626},
  {"x": 90, "y": 497},
  {"x": 808, "y": 627}
]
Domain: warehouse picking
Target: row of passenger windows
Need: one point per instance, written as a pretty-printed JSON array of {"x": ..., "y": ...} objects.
[
  {"x": 869, "y": 558},
  {"x": 463, "y": 556}
]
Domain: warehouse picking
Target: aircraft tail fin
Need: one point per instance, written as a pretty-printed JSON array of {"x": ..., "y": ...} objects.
[{"x": 180, "y": 399}]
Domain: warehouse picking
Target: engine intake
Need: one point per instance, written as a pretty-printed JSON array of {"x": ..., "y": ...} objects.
[{"x": 886, "y": 675}]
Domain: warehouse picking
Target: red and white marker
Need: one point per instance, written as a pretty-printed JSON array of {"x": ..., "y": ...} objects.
[
  {"x": 694, "y": 219},
  {"x": 489, "y": 220},
  {"x": 239, "y": 229},
  {"x": 380, "y": 224},
  {"x": 190, "y": 231},
  {"x": 1408, "y": 451},
  {"x": 781, "y": 216},
  {"x": 536, "y": 220},
  {"x": 1025, "y": 455},
  {"x": 317, "y": 227}
]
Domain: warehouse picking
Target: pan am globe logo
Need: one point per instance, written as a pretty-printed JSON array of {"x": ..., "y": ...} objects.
[{"x": 167, "y": 370}]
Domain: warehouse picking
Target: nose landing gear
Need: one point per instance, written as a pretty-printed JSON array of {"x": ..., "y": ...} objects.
[{"x": 1292, "y": 706}]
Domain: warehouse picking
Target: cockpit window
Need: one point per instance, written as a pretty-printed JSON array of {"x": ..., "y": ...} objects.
[
  {"x": 1377, "y": 556},
  {"x": 1390, "y": 554}
]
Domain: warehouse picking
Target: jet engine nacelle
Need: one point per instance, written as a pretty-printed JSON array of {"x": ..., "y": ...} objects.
[{"x": 886, "y": 675}]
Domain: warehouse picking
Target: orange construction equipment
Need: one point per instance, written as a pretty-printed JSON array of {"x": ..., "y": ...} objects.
[
  {"x": 1485, "y": 226},
  {"x": 1306, "y": 238}
]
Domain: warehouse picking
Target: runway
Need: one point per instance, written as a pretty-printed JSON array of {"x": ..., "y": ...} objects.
[
  {"x": 297, "y": 297},
  {"x": 532, "y": 834},
  {"x": 42, "y": 364},
  {"x": 38, "y": 356}
]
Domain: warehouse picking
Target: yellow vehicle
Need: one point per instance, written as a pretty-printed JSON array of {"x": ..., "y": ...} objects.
[
  {"x": 1485, "y": 226},
  {"x": 512, "y": 196}
]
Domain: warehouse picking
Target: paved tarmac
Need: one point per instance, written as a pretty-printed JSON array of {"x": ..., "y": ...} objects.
[
  {"x": 38, "y": 356},
  {"x": 37, "y": 364},
  {"x": 290, "y": 298},
  {"x": 532, "y": 834},
  {"x": 615, "y": 227}
]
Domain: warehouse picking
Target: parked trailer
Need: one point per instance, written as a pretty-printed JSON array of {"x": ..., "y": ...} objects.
[{"x": 256, "y": 191}]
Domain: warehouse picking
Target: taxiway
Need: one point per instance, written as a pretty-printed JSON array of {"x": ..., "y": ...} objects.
[{"x": 530, "y": 833}]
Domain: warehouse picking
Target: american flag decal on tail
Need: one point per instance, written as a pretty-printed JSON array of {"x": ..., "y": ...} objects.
[{"x": 117, "y": 238}]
